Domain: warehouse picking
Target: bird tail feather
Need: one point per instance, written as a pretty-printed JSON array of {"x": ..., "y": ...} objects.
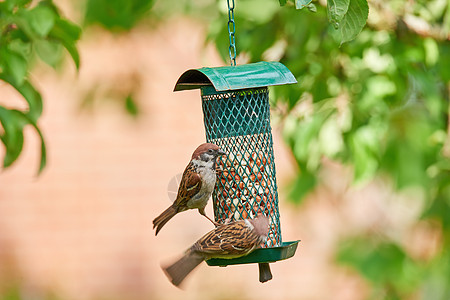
[
  {"x": 163, "y": 218},
  {"x": 178, "y": 271},
  {"x": 264, "y": 272}
]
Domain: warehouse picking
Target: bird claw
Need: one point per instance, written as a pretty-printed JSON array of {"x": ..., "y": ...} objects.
[
  {"x": 227, "y": 220},
  {"x": 217, "y": 224}
]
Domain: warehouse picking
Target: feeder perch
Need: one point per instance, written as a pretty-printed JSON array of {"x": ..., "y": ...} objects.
[{"x": 235, "y": 102}]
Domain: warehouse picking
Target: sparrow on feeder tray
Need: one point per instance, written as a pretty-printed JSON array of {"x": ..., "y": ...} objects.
[{"x": 227, "y": 241}]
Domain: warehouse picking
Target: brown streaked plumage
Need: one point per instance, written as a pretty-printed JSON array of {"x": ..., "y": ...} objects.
[
  {"x": 230, "y": 240},
  {"x": 196, "y": 186}
]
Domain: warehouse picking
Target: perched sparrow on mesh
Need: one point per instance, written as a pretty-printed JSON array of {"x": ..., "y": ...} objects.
[
  {"x": 196, "y": 186},
  {"x": 230, "y": 240}
]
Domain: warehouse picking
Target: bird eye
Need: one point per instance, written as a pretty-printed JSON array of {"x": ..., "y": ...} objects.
[{"x": 210, "y": 151}]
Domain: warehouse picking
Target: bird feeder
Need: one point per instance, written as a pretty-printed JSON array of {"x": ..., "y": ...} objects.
[{"x": 235, "y": 102}]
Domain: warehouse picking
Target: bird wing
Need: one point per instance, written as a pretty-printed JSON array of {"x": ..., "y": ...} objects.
[
  {"x": 190, "y": 185},
  {"x": 234, "y": 239}
]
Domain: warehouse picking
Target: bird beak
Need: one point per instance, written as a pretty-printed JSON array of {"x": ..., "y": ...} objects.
[{"x": 221, "y": 152}]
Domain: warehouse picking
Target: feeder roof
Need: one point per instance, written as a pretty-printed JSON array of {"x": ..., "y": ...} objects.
[{"x": 253, "y": 75}]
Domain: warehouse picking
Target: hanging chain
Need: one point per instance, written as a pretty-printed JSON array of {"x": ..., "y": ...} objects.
[{"x": 231, "y": 32}]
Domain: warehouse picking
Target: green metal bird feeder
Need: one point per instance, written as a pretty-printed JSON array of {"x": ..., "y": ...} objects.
[{"x": 235, "y": 102}]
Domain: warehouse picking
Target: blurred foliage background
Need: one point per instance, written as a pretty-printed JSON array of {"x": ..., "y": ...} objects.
[{"x": 378, "y": 104}]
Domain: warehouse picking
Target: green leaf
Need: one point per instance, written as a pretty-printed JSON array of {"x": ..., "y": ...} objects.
[
  {"x": 22, "y": 20},
  {"x": 49, "y": 51},
  {"x": 131, "y": 106},
  {"x": 42, "y": 19},
  {"x": 30, "y": 94},
  {"x": 299, "y": 4},
  {"x": 259, "y": 11},
  {"x": 67, "y": 29},
  {"x": 305, "y": 134},
  {"x": 311, "y": 7},
  {"x": 67, "y": 33},
  {"x": 17, "y": 66},
  {"x": 382, "y": 263},
  {"x": 301, "y": 186},
  {"x": 435, "y": 284},
  {"x": 431, "y": 51},
  {"x": 407, "y": 163},
  {"x": 354, "y": 20},
  {"x": 20, "y": 47},
  {"x": 12, "y": 137},
  {"x": 330, "y": 137},
  {"x": 33, "y": 98},
  {"x": 439, "y": 207},
  {"x": 336, "y": 11},
  {"x": 13, "y": 122},
  {"x": 117, "y": 14},
  {"x": 43, "y": 158},
  {"x": 365, "y": 147},
  {"x": 73, "y": 51},
  {"x": 283, "y": 2}
]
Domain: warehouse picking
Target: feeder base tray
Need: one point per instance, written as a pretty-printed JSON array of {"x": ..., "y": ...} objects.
[{"x": 261, "y": 255}]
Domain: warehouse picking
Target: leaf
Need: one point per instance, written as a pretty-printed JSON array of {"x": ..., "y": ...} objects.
[
  {"x": 435, "y": 284},
  {"x": 43, "y": 158},
  {"x": 70, "y": 30},
  {"x": 299, "y": 4},
  {"x": 407, "y": 163},
  {"x": 116, "y": 14},
  {"x": 311, "y": 7},
  {"x": 260, "y": 12},
  {"x": 73, "y": 51},
  {"x": 381, "y": 262},
  {"x": 440, "y": 206},
  {"x": 30, "y": 94},
  {"x": 305, "y": 134},
  {"x": 20, "y": 47},
  {"x": 283, "y": 2},
  {"x": 365, "y": 146},
  {"x": 67, "y": 33},
  {"x": 354, "y": 20},
  {"x": 302, "y": 185},
  {"x": 16, "y": 65},
  {"x": 12, "y": 137},
  {"x": 431, "y": 51},
  {"x": 330, "y": 137},
  {"x": 49, "y": 51},
  {"x": 336, "y": 11},
  {"x": 13, "y": 122},
  {"x": 131, "y": 106},
  {"x": 33, "y": 98},
  {"x": 41, "y": 19},
  {"x": 22, "y": 21}
]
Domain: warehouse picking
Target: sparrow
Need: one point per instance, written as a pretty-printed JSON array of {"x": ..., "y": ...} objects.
[
  {"x": 231, "y": 240},
  {"x": 196, "y": 186}
]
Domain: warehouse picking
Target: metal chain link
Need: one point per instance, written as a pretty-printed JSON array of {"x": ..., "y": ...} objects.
[{"x": 231, "y": 32}]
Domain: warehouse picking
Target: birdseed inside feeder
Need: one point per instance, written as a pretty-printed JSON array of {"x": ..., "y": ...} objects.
[{"x": 235, "y": 102}]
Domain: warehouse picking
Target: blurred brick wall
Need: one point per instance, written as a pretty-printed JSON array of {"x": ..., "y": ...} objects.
[{"x": 82, "y": 229}]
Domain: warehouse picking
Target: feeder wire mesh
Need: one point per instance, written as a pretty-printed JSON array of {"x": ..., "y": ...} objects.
[{"x": 238, "y": 122}]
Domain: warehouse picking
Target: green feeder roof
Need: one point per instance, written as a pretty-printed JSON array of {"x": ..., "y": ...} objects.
[{"x": 253, "y": 75}]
